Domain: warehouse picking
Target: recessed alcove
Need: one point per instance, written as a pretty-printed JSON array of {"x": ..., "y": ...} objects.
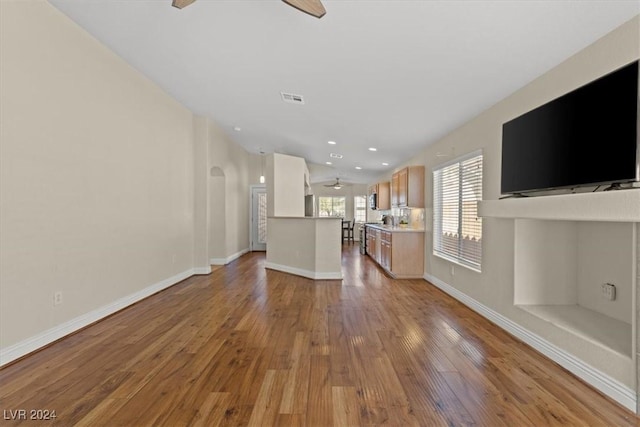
[
  {"x": 559, "y": 269},
  {"x": 565, "y": 248}
]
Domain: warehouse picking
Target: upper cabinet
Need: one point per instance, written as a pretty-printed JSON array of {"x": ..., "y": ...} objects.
[
  {"x": 394, "y": 190},
  {"x": 407, "y": 187},
  {"x": 382, "y": 190},
  {"x": 384, "y": 202}
]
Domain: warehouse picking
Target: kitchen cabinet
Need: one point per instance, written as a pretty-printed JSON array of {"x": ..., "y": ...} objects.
[
  {"x": 394, "y": 190},
  {"x": 400, "y": 252},
  {"x": 384, "y": 201},
  {"x": 407, "y": 187},
  {"x": 385, "y": 250},
  {"x": 371, "y": 243}
]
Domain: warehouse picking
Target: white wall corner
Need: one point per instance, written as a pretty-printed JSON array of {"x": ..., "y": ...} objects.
[
  {"x": 202, "y": 270},
  {"x": 315, "y": 275},
  {"x": 227, "y": 260},
  {"x": 611, "y": 387}
]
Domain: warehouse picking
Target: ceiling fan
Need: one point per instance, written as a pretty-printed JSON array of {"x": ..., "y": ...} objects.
[
  {"x": 336, "y": 185},
  {"x": 311, "y": 7}
]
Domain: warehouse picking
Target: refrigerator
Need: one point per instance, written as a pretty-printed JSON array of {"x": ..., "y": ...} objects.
[{"x": 309, "y": 205}]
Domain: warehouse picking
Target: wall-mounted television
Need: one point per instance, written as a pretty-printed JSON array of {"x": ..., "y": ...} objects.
[{"x": 587, "y": 137}]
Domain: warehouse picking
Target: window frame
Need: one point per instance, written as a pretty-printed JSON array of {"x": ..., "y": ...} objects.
[
  {"x": 362, "y": 210},
  {"x": 344, "y": 198},
  {"x": 438, "y": 251}
]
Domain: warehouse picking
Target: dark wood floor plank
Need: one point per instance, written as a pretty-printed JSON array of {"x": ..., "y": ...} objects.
[{"x": 251, "y": 346}]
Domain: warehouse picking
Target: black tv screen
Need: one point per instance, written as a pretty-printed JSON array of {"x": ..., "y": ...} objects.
[{"x": 586, "y": 137}]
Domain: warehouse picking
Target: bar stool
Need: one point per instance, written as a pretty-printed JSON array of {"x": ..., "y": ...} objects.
[{"x": 347, "y": 230}]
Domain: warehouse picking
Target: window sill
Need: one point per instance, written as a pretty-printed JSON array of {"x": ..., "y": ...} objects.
[{"x": 457, "y": 262}]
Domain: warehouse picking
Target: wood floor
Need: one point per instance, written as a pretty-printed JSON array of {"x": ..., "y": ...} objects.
[{"x": 249, "y": 346}]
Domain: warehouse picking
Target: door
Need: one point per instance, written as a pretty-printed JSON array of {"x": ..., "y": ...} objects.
[{"x": 258, "y": 218}]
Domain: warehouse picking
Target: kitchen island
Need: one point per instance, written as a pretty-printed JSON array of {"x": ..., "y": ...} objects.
[
  {"x": 398, "y": 250},
  {"x": 305, "y": 246}
]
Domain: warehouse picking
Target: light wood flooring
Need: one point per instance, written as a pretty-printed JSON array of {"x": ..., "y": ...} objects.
[{"x": 249, "y": 346}]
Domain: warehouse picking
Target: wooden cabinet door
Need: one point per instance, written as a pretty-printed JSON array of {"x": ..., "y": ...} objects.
[
  {"x": 415, "y": 187},
  {"x": 384, "y": 201},
  {"x": 402, "y": 187},
  {"x": 371, "y": 242},
  {"x": 394, "y": 190},
  {"x": 407, "y": 255},
  {"x": 386, "y": 251}
]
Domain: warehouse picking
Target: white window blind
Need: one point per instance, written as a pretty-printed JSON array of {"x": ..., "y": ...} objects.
[
  {"x": 457, "y": 230},
  {"x": 360, "y": 208}
]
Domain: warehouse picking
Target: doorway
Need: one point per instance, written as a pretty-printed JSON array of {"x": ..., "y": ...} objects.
[{"x": 258, "y": 218}]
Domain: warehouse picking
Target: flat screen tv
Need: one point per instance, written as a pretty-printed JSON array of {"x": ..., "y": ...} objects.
[{"x": 587, "y": 137}]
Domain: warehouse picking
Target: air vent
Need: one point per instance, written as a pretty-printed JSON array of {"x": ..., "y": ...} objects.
[
  {"x": 292, "y": 98},
  {"x": 335, "y": 156}
]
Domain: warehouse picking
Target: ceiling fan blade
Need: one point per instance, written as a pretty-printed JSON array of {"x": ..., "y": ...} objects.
[
  {"x": 311, "y": 7},
  {"x": 181, "y": 3}
]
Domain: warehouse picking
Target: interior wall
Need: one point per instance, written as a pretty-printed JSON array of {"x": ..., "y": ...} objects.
[
  {"x": 234, "y": 162},
  {"x": 546, "y": 262},
  {"x": 285, "y": 185},
  {"x": 606, "y": 255},
  {"x": 96, "y": 175},
  {"x": 494, "y": 286}
]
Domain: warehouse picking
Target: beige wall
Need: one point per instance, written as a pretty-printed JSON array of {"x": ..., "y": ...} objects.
[
  {"x": 234, "y": 162},
  {"x": 285, "y": 177},
  {"x": 494, "y": 286},
  {"x": 96, "y": 176},
  {"x": 308, "y": 247},
  {"x": 110, "y": 189}
]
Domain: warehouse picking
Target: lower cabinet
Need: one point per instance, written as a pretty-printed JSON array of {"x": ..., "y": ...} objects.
[{"x": 399, "y": 253}]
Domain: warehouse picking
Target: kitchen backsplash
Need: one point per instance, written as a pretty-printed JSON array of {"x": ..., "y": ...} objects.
[{"x": 414, "y": 216}]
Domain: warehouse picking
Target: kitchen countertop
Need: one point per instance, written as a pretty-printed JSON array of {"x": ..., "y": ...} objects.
[{"x": 396, "y": 228}]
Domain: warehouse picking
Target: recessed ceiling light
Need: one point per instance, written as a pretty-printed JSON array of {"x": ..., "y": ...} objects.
[
  {"x": 237, "y": 128},
  {"x": 358, "y": 167},
  {"x": 331, "y": 142},
  {"x": 335, "y": 155},
  {"x": 329, "y": 163},
  {"x": 385, "y": 164},
  {"x": 373, "y": 149}
]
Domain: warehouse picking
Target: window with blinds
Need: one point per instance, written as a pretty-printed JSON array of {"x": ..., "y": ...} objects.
[
  {"x": 457, "y": 230},
  {"x": 360, "y": 208}
]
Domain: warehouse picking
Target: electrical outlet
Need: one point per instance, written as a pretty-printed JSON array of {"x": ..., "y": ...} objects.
[
  {"x": 609, "y": 291},
  {"x": 453, "y": 270},
  {"x": 57, "y": 298}
]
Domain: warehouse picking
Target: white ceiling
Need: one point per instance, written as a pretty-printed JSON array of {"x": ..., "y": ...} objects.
[{"x": 395, "y": 75}]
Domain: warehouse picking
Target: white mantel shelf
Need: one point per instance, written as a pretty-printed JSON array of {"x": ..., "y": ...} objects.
[{"x": 614, "y": 206}]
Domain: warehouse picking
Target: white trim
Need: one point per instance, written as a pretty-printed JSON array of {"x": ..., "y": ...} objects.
[
  {"x": 202, "y": 270},
  {"x": 40, "y": 340},
  {"x": 227, "y": 260},
  {"x": 336, "y": 275},
  {"x": 619, "y": 392}
]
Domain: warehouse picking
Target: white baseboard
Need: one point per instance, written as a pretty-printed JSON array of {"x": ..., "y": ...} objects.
[
  {"x": 305, "y": 273},
  {"x": 601, "y": 381},
  {"x": 227, "y": 260},
  {"x": 31, "y": 344},
  {"x": 202, "y": 270}
]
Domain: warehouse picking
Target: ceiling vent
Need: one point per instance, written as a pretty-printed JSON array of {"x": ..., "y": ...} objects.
[
  {"x": 292, "y": 98},
  {"x": 335, "y": 156}
]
